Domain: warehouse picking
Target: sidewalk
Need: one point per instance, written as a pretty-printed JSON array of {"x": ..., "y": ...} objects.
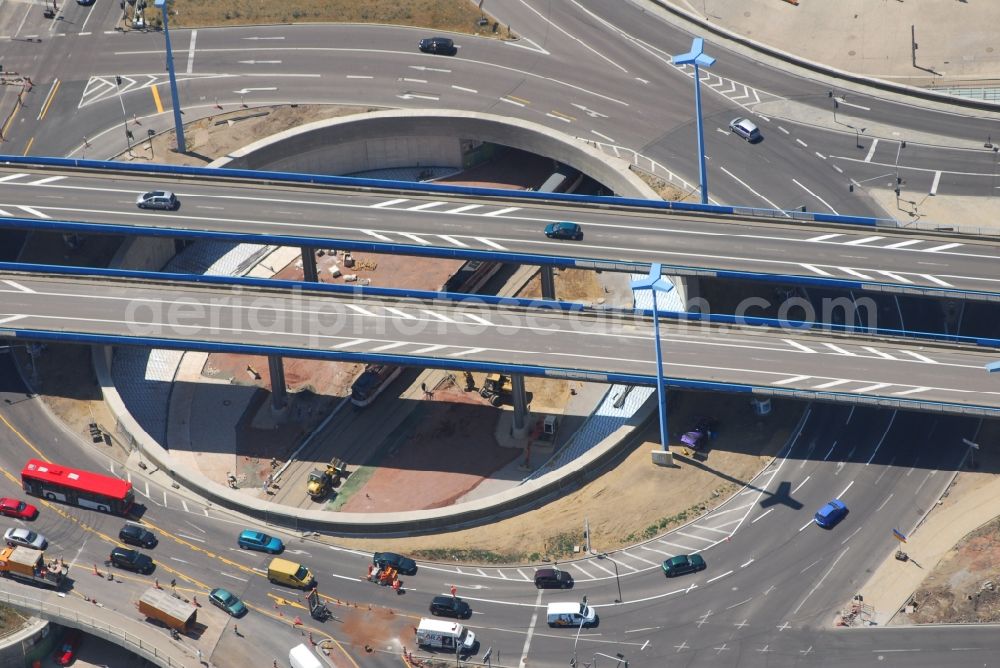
[
  {"x": 971, "y": 502},
  {"x": 871, "y": 37}
]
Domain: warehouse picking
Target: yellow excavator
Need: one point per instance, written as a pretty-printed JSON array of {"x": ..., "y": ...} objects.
[{"x": 321, "y": 482}]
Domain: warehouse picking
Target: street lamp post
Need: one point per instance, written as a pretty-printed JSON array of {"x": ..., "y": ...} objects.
[
  {"x": 618, "y": 580},
  {"x": 174, "y": 97},
  {"x": 655, "y": 283},
  {"x": 128, "y": 133},
  {"x": 697, "y": 58}
]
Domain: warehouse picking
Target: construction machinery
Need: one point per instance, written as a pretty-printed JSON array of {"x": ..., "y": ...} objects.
[
  {"x": 28, "y": 565},
  {"x": 497, "y": 388},
  {"x": 322, "y": 482}
]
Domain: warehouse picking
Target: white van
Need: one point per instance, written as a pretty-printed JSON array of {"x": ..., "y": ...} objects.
[
  {"x": 301, "y": 656},
  {"x": 571, "y": 614},
  {"x": 439, "y": 634}
]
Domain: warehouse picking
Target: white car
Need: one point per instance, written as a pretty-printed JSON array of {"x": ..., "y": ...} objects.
[
  {"x": 25, "y": 538},
  {"x": 745, "y": 128},
  {"x": 158, "y": 199}
]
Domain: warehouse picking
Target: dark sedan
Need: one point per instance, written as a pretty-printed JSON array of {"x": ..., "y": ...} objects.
[
  {"x": 450, "y": 606},
  {"x": 564, "y": 230},
  {"x": 404, "y": 565}
]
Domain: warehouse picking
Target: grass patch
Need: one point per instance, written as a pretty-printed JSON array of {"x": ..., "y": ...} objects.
[
  {"x": 671, "y": 521},
  {"x": 449, "y": 15},
  {"x": 359, "y": 478}
]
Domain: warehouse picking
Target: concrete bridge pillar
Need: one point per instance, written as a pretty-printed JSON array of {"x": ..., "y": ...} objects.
[
  {"x": 548, "y": 283},
  {"x": 309, "y": 265},
  {"x": 279, "y": 395},
  {"x": 519, "y": 397}
]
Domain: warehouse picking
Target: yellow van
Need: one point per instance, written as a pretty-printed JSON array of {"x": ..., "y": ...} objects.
[{"x": 289, "y": 573}]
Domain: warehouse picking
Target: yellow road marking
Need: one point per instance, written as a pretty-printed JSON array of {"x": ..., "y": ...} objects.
[
  {"x": 48, "y": 102},
  {"x": 518, "y": 99},
  {"x": 24, "y": 440},
  {"x": 28, "y": 147},
  {"x": 562, "y": 115},
  {"x": 156, "y": 99}
]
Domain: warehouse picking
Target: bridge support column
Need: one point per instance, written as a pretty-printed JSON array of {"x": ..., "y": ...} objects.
[
  {"x": 548, "y": 283},
  {"x": 279, "y": 395},
  {"x": 309, "y": 265},
  {"x": 519, "y": 397}
]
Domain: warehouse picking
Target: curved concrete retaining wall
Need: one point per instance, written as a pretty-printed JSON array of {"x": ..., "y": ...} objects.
[
  {"x": 31, "y": 642},
  {"x": 387, "y": 138},
  {"x": 355, "y": 133},
  {"x": 134, "y": 635}
]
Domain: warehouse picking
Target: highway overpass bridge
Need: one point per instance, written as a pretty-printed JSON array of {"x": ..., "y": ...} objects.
[
  {"x": 551, "y": 339},
  {"x": 620, "y": 234}
]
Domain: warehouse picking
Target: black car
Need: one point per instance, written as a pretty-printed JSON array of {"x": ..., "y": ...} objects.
[
  {"x": 132, "y": 560},
  {"x": 553, "y": 578},
  {"x": 133, "y": 534},
  {"x": 404, "y": 565},
  {"x": 450, "y": 606},
  {"x": 442, "y": 46}
]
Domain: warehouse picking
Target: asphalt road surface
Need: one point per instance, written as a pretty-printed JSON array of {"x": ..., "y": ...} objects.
[
  {"x": 454, "y": 335},
  {"x": 320, "y": 217}
]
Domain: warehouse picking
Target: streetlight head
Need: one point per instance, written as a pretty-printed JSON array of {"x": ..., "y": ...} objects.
[{"x": 695, "y": 56}]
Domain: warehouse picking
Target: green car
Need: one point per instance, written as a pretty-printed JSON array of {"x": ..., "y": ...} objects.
[
  {"x": 683, "y": 563},
  {"x": 228, "y": 601}
]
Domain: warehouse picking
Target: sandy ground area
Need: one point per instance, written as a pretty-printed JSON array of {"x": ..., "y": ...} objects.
[
  {"x": 964, "y": 585},
  {"x": 617, "y": 503}
]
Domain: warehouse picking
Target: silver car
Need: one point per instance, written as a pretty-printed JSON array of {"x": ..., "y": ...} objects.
[
  {"x": 25, "y": 538},
  {"x": 158, "y": 199}
]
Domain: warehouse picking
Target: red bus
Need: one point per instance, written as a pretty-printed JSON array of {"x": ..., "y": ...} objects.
[{"x": 81, "y": 488}]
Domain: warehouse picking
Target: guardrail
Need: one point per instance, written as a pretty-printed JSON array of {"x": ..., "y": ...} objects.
[
  {"x": 508, "y": 302},
  {"x": 440, "y": 188},
  {"x": 157, "y": 650}
]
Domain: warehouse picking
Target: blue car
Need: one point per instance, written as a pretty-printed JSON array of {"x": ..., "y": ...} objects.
[
  {"x": 828, "y": 516},
  {"x": 255, "y": 540},
  {"x": 564, "y": 230}
]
